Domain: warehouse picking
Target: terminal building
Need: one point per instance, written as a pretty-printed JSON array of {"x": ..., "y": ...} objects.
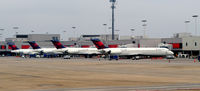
[{"x": 183, "y": 44}]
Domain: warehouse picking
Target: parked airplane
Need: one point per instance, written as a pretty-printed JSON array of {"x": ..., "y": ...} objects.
[
  {"x": 41, "y": 51},
  {"x": 15, "y": 49},
  {"x": 131, "y": 52},
  {"x": 87, "y": 52}
]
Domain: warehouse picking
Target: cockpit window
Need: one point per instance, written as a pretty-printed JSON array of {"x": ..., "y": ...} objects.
[{"x": 164, "y": 47}]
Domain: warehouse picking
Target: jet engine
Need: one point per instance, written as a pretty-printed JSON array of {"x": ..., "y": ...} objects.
[
  {"x": 107, "y": 51},
  {"x": 72, "y": 51}
]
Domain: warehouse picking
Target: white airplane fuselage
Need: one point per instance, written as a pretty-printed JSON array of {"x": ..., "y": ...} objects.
[
  {"x": 79, "y": 51},
  {"x": 48, "y": 50},
  {"x": 138, "y": 51},
  {"x": 119, "y": 51},
  {"x": 37, "y": 51},
  {"x": 24, "y": 51},
  {"x": 87, "y": 51}
]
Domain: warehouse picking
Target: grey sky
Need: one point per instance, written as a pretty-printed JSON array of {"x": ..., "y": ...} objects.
[{"x": 165, "y": 17}]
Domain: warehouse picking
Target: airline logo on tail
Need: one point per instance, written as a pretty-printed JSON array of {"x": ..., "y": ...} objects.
[
  {"x": 12, "y": 46},
  {"x": 34, "y": 45},
  {"x": 98, "y": 44},
  {"x": 57, "y": 44}
]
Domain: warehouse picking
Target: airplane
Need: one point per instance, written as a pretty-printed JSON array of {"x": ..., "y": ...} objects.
[
  {"x": 41, "y": 51},
  {"x": 15, "y": 49},
  {"x": 131, "y": 52},
  {"x": 87, "y": 52}
]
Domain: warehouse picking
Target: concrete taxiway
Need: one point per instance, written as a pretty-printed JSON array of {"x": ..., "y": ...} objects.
[{"x": 56, "y": 74}]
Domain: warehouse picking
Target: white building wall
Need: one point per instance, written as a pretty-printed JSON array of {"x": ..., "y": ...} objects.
[
  {"x": 42, "y": 37},
  {"x": 149, "y": 42},
  {"x": 189, "y": 43}
]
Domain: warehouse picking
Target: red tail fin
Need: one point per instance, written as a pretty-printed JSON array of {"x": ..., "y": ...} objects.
[
  {"x": 57, "y": 44},
  {"x": 12, "y": 46},
  {"x": 98, "y": 44},
  {"x": 34, "y": 45}
]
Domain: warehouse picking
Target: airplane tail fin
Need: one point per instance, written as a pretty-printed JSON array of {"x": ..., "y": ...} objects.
[
  {"x": 98, "y": 44},
  {"x": 57, "y": 44},
  {"x": 12, "y": 46},
  {"x": 34, "y": 45}
]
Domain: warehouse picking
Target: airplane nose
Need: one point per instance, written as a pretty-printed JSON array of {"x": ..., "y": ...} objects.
[{"x": 170, "y": 53}]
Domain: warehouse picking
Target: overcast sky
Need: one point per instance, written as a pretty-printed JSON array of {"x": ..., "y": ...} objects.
[{"x": 165, "y": 17}]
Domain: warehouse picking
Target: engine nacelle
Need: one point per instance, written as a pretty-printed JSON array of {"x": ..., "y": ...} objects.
[
  {"x": 115, "y": 51},
  {"x": 109, "y": 51},
  {"x": 72, "y": 51}
]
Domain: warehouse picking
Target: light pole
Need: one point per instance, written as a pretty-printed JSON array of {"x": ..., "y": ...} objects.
[
  {"x": 16, "y": 33},
  {"x": 186, "y": 26},
  {"x": 132, "y": 30},
  {"x": 117, "y": 30},
  {"x": 105, "y": 25},
  {"x": 1, "y": 34},
  {"x": 32, "y": 31},
  {"x": 15, "y": 27},
  {"x": 118, "y": 33},
  {"x": 63, "y": 34},
  {"x": 16, "y": 30},
  {"x": 113, "y": 18},
  {"x": 74, "y": 31},
  {"x": 144, "y": 27},
  {"x": 195, "y": 16}
]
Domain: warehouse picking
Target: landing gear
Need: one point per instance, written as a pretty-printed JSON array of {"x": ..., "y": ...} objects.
[
  {"x": 88, "y": 56},
  {"x": 135, "y": 57}
]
